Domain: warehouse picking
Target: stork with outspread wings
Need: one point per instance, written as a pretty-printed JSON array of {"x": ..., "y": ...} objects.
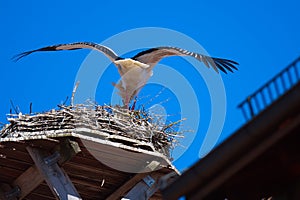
[{"x": 136, "y": 71}]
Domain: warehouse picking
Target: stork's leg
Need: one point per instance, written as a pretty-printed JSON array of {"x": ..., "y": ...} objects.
[
  {"x": 126, "y": 102},
  {"x": 133, "y": 105}
]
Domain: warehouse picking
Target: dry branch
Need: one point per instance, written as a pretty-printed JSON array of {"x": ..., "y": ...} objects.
[{"x": 137, "y": 125}]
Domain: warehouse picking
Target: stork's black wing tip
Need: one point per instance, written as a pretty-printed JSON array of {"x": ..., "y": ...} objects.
[
  {"x": 21, "y": 55},
  {"x": 226, "y": 65},
  {"x": 233, "y": 62},
  {"x": 17, "y": 57}
]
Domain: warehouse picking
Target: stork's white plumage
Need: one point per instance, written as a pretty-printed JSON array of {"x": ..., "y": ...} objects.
[{"x": 136, "y": 71}]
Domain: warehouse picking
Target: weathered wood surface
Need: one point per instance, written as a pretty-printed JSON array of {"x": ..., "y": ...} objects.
[
  {"x": 28, "y": 181},
  {"x": 56, "y": 178},
  {"x": 119, "y": 136},
  {"x": 32, "y": 178},
  {"x": 92, "y": 179}
]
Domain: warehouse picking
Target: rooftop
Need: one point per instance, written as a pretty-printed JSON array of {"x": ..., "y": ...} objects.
[{"x": 260, "y": 160}]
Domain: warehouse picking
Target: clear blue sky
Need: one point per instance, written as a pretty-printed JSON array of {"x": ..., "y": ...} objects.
[{"x": 263, "y": 36}]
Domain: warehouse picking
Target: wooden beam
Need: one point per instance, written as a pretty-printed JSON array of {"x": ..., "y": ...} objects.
[
  {"x": 152, "y": 166},
  {"x": 141, "y": 189},
  {"x": 28, "y": 181},
  {"x": 127, "y": 186},
  {"x": 7, "y": 192},
  {"x": 56, "y": 178},
  {"x": 137, "y": 184},
  {"x": 32, "y": 178},
  {"x": 2, "y": 194},
  {"x": 67, "y": 149}
]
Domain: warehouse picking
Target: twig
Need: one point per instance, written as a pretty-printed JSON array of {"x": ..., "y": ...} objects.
[
  {"x": 115, "y": 121},
  {"x": 13, "y": 106},
  {"x": 73, "y": 93},
  {"x": 30, "y": 108},
  {"x": 65, "y": 102}
]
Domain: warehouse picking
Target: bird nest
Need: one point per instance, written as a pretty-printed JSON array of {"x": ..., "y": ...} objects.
[{"x": 113, "y": 120}]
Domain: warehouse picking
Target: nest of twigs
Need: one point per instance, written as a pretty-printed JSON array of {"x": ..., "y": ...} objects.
[{"x": 114, "y": 120}]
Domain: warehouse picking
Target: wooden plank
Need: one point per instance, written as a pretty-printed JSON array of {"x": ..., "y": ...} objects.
[
  {"x": 89, "y": 190},
  {"x": 145, "y": 188},
  {"x": 43, "y": 189},
  {"x": 6, "y": 191},
  {"x": 9, "y": 152},
  {"x": 9, "y": 193},
  {"x": 91, "y": 172},
  {"x": 139, "y": 191},
  {"x": 87, "y": 187},
  {"x": 28, "y": 181},
  {"x": 35, "y": 196},
  {"x": 8, "y": 174},
  {"x": 124, "y": 160},
  {"x": 32, "y": 178},
  {"x": 43, "y": 143},
  {"x": 156, "y": 175},
  {"x": 92, "y": 164},
  {"x": 57, "y": 180},
  {"x": 14, "y": 164},
  {"x": 127, "y": 186},
  {"x": 2, "y": 195}
]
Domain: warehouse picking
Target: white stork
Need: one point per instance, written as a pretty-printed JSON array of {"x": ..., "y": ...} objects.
[{"x": 136, "y": 71}]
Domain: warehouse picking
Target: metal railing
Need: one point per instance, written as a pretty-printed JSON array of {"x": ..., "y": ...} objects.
[{"x": 272, "y": 90}]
